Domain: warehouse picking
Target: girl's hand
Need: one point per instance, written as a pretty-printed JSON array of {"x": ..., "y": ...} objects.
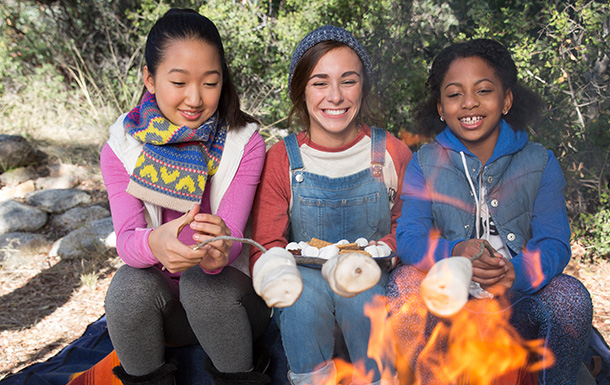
[
  {"x": 208, "y": 226},
  {"x": 165, "y": 246},
  {"x": 487, "y": 270},
  {"x": 505, "y": 283}
]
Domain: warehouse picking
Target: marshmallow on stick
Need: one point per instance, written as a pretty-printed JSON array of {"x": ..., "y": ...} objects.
[
  {"x": 350, "y": 274},
  {"x": 275, "y": 276},
  {"x": 276, "y": 279},
  {"x": 445, "y": 288}
]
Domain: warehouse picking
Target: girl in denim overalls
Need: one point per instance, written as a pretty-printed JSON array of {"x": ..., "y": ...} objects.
[{"x": 335, "y": 180}]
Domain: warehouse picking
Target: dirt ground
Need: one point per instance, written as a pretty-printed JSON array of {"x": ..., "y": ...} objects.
[{"x": 48, "y": 303}]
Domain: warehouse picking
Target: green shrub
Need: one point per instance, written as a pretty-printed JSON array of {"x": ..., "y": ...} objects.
[{"x": 593, "y": 229}]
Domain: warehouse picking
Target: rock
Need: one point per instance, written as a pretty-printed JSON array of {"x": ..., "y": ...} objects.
[
  {"x": 15, "y": 216},
  {"x": 58, "y": 200},
  {"x": 61, "y": 176},
  {"x": 20, "y": 191},
  {"x": 79, "y": 216},
  {"x": 56, "y": 183},
  {"x": 17, "y": 176},
  {"x": 15, "y": 247},
  {"x": 15, "y": 151},
  {"x": 96, "y": 236}
]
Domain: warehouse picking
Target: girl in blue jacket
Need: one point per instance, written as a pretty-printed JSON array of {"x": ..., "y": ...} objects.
[{"x": 481, "y": 179}]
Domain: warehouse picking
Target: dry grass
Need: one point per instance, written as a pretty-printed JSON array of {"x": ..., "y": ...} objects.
[{"x": 47, "y": 304}]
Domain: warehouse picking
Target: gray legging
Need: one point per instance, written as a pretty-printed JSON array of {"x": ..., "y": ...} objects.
[{"x": 147, "y": 311}]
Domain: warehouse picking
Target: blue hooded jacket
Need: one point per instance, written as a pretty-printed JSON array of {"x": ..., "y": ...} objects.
[{"x": 524, "y": 195}]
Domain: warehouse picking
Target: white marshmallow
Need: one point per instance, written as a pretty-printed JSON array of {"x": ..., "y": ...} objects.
[
  {"x": 445, "y": 288},
  {"x": 362, "y": 242},
  {"x": 310, "y": 251},
  {"x": 328, "y": 252},
  {"x": 372, "y": 250},
  {"x": 282, "y": 286},
  {"x": 384, "y": 249},
  {"x": 276, "y": 279},
  {"x": 350, "y": 274},
  {"x": 293, "y": 246}
]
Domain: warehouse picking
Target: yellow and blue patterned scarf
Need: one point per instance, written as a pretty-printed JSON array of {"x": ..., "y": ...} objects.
[{"x": 175, "y": 162}]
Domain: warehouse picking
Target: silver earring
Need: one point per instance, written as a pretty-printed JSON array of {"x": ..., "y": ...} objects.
[
  {"x": 504, "y": 112},
  {"x": 442, "y": 119}
]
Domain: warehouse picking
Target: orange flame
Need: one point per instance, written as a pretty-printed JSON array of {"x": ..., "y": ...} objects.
[
  {"x": 477, "y": 346},
  {"x": 535, "y": 271},
  {"x": 480, "y": 346}
]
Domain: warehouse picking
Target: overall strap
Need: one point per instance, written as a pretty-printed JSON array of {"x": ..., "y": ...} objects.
[
  {"x": 378, "y": 139},
  {"x": 294, "y": 154}
]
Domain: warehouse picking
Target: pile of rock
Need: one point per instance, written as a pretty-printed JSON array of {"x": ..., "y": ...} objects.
[{"x": 42, "y": 209}]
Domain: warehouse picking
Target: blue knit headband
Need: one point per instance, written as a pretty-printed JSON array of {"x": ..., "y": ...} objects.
[{"x": 330, "y": 33}]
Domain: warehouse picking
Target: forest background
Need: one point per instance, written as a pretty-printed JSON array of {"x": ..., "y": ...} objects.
[{"x": 69, "y": 67}]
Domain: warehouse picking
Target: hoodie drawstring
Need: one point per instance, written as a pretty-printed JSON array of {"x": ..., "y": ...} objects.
[
  {"x": 474, "y": 194},
  {"x": 476, "y": 201}
]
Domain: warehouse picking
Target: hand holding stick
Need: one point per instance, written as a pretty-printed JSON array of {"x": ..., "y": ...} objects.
[{"x": 445, "y": 288}]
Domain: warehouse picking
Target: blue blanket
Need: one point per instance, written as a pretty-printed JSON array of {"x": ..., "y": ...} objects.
[{"x": 95, "y": 344}]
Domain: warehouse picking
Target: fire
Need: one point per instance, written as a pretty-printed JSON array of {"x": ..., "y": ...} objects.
[
  {"x": 480, "y": 346},
  {"x": 477, "y": 346},
  {"x": 536, "y": 274}
]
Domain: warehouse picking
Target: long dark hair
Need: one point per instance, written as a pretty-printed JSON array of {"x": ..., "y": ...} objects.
[
  {"x": 526, "y": 104},
  {"x": 187, "y": 24},
  {"x": 369, "y": 109}
]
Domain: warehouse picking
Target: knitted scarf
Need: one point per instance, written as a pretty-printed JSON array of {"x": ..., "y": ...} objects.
[{"x": 175, "y": 162}]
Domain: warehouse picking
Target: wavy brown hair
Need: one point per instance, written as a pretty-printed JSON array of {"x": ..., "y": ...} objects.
[{"x": 299, "y": 116}]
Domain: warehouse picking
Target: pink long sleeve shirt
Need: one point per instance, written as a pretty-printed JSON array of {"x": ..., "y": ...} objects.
[{"x": 128, "y": 212}]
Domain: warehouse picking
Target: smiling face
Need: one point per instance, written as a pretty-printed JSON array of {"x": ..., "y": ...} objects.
[
  {"x": 187, "y": 83},
  {"x": 333, "y": 96},
  {"x": 472, "y": 101}
]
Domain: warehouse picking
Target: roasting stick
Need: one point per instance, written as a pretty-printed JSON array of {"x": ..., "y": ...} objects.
[
  {"x": 230, "y": 238},
  {"x": 484, "y": 245}
]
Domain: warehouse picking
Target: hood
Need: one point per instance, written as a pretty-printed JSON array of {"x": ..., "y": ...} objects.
[{"x": 509, "y": 141}]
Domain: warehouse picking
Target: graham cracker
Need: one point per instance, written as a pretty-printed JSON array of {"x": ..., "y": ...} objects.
[{"x": 315, "y": 242}]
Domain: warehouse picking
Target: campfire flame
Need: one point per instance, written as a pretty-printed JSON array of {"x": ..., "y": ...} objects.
[
  {"x": 477, "y": 346},
  {"x": 537, "y": 276}
]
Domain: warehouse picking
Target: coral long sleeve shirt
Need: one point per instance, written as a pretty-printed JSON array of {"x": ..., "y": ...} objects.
[{"x": 272, "y": 205}]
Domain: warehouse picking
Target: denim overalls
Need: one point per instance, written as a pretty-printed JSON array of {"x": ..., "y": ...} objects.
[{"x": 332, "y": 209}]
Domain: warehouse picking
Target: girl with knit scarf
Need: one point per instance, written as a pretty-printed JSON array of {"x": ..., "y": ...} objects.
[{"x": 187, "y": 148}]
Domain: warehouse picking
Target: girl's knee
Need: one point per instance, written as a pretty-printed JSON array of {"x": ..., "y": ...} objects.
[
  {"x": 568, "y": 295},
  {"x": 404, "y": 281},
  {"x": 132, "y": 288}
]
